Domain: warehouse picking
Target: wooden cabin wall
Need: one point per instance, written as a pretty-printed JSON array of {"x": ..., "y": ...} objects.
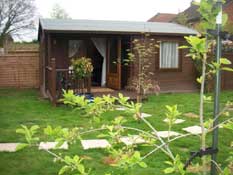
[
  {"x": 180, "y": 80},
  {"x": 59, "y": 51},
  {"x": 227, "y": 77},
  {"x": 183, "y": 79},
  {"x": 47, "y": 59},
  {"x": 43, "y": 62}
]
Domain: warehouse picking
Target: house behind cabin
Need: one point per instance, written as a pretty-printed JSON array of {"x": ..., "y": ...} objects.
[{"x": 163, "y": 17}]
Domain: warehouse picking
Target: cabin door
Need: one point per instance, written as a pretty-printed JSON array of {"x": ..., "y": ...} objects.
[{"x": 114, "y": 63}]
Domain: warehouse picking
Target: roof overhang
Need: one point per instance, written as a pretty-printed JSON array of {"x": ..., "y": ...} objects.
[{"x": 113, "y": 27}]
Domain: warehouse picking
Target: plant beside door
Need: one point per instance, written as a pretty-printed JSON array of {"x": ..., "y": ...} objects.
[{"x": 82, "y": 69}]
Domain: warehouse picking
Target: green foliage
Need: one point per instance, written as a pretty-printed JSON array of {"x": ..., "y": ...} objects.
[
  {"x": 29, "y": 135},
  {"x": 114, "y": 131},
  {"x": 62, "y": 135},
  {"x": 229, "y": 125},
  {"x": 69, "y": 98},
  {"x": 24, "y": 101},
  {"x": 226, "y": 171},
  {"x": 209, "y": 11},
  {"x": 208, "y": 99},
  {"x": 175, "y": 166},
  {"x": 171, "y": 114},
  {"x": 100, "y": 104},
  {"x": 135, "y": 109},
  {"x": 74, "y": 166},
  {"x": 129, "y": 159},
  {"x": 82, "y": 67},
  {"x": 109, "y": 102},
  {"x": 128, "y": 156},
  {"x": 228, "y": 27},
  {"x": 123, "y": 100},
  {"x": 222, "y": 65},
  {"x": 197, "y": 47},
  {"x": 182, "y": 19}
]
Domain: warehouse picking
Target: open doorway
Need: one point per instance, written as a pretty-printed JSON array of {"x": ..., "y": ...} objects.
[
  {"x": 125, "y": 49},
  {"x": 97, "y": 61},
  {"x": 94, "y": 48}
]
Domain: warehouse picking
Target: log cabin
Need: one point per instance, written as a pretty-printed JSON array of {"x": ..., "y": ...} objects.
[{"x": 107, "y": 43}]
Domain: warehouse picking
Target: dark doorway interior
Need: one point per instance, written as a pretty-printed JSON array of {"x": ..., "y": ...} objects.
[
  {"x": 125, "y": 44},
  {"x": 97, "y": 61},
  {"x": 85, "y": 48}
]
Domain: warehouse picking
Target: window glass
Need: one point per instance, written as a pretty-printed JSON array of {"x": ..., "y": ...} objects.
[
  {"x": 75, "y": 48},
  {"x": 169, "y": 55}
]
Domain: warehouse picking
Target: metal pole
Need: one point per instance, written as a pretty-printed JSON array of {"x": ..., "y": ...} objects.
[{"x": 217, "y": 88}]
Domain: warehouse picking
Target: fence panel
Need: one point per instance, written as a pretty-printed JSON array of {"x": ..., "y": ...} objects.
[{"x": 19, "y": 69}]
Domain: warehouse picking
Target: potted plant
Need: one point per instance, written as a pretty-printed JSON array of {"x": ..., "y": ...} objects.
[{"x": 82, "y": 69}]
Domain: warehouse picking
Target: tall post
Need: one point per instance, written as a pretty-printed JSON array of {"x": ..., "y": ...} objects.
[
  {"x": 217, "y": 88},
  {"x": 53, "y": 81}
]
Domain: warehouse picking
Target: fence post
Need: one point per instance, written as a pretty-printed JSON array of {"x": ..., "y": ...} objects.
[{"x": 53, "y": 81}]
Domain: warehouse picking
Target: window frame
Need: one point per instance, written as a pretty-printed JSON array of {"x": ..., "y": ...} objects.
[{"x": 180, "y": 55}]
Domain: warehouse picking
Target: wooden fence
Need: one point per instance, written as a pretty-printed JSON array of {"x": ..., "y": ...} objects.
[
  {"x": 19, "y": 69},
  {"x": 59, "y": 79}
]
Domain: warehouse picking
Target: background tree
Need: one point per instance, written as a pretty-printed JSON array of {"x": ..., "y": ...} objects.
[
  {"x": 59, "y": 13},
  {"x": 182, "y": 19},
  {"x": 16, "y": 16}
]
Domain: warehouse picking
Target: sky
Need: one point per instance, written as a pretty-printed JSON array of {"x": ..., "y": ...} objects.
[{"x": 125, "y": 10}]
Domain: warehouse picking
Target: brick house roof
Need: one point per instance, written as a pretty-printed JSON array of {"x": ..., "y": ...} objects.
[{"x": 162, "y": 17}]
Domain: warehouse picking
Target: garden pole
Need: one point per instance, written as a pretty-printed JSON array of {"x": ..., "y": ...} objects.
[{"x": 217, "y": 89}]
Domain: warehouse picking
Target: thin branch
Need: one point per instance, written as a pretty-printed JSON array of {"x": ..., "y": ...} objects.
[
  {"x": 216, "y": 164},
  {"x": 164, "y": 144},
  {"x": 160, "y": 139}
]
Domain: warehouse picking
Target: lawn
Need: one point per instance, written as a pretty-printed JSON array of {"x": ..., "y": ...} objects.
[{"x": 26, "y": 107}]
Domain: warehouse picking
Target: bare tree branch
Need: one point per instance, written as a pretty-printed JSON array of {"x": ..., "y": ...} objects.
[{"x": 15, "y": 16}]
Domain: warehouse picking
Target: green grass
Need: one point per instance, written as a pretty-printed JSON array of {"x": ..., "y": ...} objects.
[{"x": 26, "y": 107}]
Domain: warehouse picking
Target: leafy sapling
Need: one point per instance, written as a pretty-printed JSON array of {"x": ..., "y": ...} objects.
[{"x": 29, "y": 135}]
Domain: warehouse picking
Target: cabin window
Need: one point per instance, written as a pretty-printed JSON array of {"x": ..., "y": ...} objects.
[
  {"x": 169, "y": 55},
  {"x": 76, "y": 48}
]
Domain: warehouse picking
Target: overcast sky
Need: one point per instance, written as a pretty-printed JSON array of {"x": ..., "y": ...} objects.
[
  {"x": 126, "y": 10},
  {"x": 134, "y": 10}
]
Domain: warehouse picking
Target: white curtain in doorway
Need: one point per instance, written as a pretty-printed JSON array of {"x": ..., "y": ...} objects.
[{"x": 100, "y": 44}]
